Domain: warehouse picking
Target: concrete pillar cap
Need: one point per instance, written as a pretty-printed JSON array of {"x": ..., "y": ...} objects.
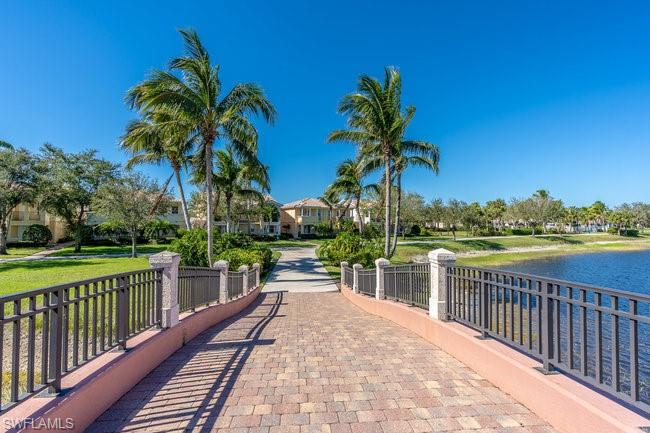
[
  {"x": 243, "y": 268},
  {"x": 441, "y": 255},
  {"x": 164, "y": 259},
  {"x": 357, "y": 266},
  {"x": 221, "y": 264},
  {"x": 382, "y": 262}
]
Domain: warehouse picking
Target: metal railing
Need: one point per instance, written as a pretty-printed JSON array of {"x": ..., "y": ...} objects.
[
  {"x": 367, "y": 281},
  {"x": 410, "y": 284},
  {"x": 252, "y": 278},
  {"x": 591, "y": 333},
  {"x": 348, "y": 276},
  {"x": 53, "y": 330},
  {"x": 235, "y": 284},
  {"x": 197, "y": 286}
]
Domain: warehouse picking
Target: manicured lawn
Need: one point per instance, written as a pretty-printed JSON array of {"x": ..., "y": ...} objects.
[
  {"x": 95, "y": 250},
  {"x": 15, "y": 252},
  {"x": 20, "y": 276}
]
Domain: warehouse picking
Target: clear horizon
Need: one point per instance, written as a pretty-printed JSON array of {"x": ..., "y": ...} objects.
[{"x": 519, "y": 98}]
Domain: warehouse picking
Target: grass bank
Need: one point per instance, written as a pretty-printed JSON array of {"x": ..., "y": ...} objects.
[
  {"x": 23, "y": 275},
  {"x": 497, "y": 259},
  {"x": 514, "y": 247}
]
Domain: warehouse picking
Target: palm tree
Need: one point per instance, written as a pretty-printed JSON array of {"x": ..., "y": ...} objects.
[
  {"x": 243, "y": 178},
  {"x": 411, "y": 154},
  {"x": 350, "y": 182},
  {"x": 151, "y": 145},
  {"x": 331, "y": 198},
  {"x": 376, "y": 124},
  {"x": 192, "y": 103}
]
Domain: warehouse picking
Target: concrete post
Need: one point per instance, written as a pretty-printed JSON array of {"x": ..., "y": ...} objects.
[
  {"x": 355, "y": 284},
  {"x": 244, "y": 272},
  {"x": 343, "y": 266},
  {"x": 439, "y": 260},
  {"x": 380, "y": 264},
  {"x": 257, "y": 269},
  {"x": 222, "y": 266},
  {"x": 168, "y": 262}
]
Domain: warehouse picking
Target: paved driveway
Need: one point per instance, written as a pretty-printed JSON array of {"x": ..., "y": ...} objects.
[{"x": 299, "y": 270}]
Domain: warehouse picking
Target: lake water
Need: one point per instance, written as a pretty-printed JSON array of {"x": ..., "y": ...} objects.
[
  {"x": 623, "y": 270},
  {"x": 626, "y": 270}
]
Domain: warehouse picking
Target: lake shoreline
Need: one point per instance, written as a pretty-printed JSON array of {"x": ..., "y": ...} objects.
[{"x": 498, "y": 258}]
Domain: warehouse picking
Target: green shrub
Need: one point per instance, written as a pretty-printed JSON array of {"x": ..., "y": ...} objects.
[
  {"x": 227, "y": 241},
  {"x": 415, "y": 230},
  {"x": 240, "y": 256},
  {"x": 352, "y": 248},
  {"x": 524, "y": 231},
  {"x": 192, "y": 245},
  {"x": 488, "y": 231},
  {"x": 37, "y": 234},
  {"x": 372, "y": 231},
  {"x": 623, "y": 232},
  {"x": 237, "y": 248}
]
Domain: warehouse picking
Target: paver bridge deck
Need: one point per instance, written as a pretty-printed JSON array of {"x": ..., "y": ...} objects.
[{"x": 303, "y": 362}]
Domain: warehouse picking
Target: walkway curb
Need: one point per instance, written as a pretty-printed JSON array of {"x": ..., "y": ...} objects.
[
  {"x": 100, "y": 383},
  {"x": 564, "y": 403}
]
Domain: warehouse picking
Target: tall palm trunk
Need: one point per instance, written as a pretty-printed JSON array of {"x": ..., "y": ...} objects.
[
  {"x": 186, "y": 213},
  {"x": 398, "y": 208},
  {"x": 208, "y": 189},
  {"x": 228, "y": 205},
  {"x": 387, "y": 205},
  {"x": 358, "y": 209}
]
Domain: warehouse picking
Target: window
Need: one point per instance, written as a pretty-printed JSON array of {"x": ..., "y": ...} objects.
[
  {"x": 305, "y": 211},
  {"x": 175, "y": 210},
  {"x": 318, "y": 212}
]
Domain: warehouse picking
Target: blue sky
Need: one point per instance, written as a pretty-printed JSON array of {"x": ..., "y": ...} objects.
[{"x": 518, "y": 95}]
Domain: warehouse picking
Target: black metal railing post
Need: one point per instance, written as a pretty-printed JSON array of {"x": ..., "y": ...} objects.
[
  {"x": 546, "y": 305},
  {"x": 485, "y": 304},
  {"x": 122, "y": 312},
  {"x": 55, "y": 341}
]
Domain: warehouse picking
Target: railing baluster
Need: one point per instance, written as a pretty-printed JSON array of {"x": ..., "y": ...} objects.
[
  {"x": 85, "y": 322},
  {"x": 583, "y": 333},
  {"x": 31, "y": 343},
  {"x": 57, "y": 340},
  {"x": 598, "y": 330},
  {"x": 616, "y": 378},
  {"x": 15, "y": 354},
  {"x": 45, "y": 338},
  {"x": 570, "y": 350},
  {"x": 75, "y": 327},
  {"x": 93, "y": 338},
  {"x": 634, "y": 352}
]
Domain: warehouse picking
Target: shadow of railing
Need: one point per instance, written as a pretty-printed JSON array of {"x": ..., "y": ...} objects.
[{"x": 185, "y": 372}]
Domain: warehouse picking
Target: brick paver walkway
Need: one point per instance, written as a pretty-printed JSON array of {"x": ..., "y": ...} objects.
[{"x": 313, "y": 362}]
